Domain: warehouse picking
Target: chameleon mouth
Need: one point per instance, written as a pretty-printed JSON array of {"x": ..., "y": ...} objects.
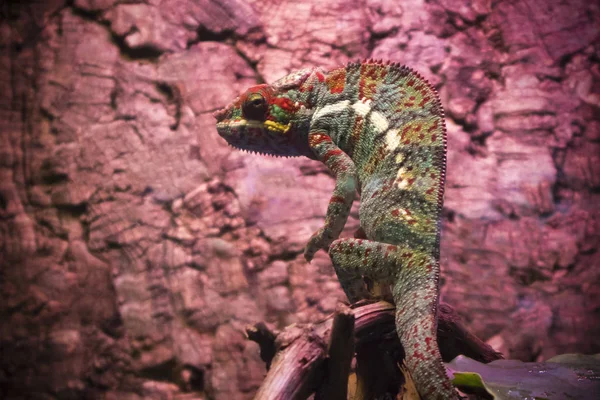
[
  {"x": 263, "y": 153},
  {"x": 258, "y": 137}
]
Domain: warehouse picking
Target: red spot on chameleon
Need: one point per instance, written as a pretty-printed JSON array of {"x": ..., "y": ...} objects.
[
  {"x": 337, "y": 199},
  {"x": 433, "y": 137},
  {"x": 315, "y": 140},
  {"x": 395, "y": 213},
  {"x": 285, "y": 103},
  {"x": 428, "y": 340},
  {"x": 331, "y": 153},
  {"x": 336, "y": 81},
  {"x": 366, "y": 257}
]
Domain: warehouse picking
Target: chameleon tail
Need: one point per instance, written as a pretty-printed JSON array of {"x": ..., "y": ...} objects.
[{"x": 416, "y": 324}]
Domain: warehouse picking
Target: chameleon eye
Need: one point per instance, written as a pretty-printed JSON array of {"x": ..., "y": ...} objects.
[{"x": 255, "y": 107}]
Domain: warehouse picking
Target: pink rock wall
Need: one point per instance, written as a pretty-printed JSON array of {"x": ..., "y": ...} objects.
[{"x": 136, "y": 245}]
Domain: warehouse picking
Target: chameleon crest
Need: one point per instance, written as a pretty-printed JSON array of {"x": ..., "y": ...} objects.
[{"x": 379, "y": 127}]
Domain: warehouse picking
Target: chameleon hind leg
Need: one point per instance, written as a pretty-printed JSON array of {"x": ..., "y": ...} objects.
[{"x": 413, "y": 275}]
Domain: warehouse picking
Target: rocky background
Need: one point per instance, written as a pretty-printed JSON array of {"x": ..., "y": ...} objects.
[{"x": 136, "y": 245}]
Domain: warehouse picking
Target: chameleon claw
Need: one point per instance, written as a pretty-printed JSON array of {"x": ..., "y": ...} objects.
[
  {"x": 316, "y": 242},
  {"x": 308, "y": 255}
]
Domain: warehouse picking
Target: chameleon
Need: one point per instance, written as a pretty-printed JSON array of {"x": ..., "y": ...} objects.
[{"x": 379, "y": 128}]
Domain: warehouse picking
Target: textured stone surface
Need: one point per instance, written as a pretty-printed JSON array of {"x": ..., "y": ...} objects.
[{"x": 135, "y": 245}]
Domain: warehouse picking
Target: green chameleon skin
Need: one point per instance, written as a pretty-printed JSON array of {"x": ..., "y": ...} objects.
[{"x": 379, "y": 128}]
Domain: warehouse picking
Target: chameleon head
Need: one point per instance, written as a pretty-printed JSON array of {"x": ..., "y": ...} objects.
[{"x": 264, "y": 120}]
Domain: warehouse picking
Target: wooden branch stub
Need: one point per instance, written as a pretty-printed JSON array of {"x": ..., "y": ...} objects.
[
  {"x": 265, "y": 338},
  {"x": 341, "y": 352},
  {"x": 296, "y": 369},
  {"x": 455, "y": 339}
]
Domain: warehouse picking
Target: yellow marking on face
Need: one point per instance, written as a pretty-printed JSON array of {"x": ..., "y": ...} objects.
[
  {"x": 399, "y": 158},
  {"x": 277, "y": 127}
]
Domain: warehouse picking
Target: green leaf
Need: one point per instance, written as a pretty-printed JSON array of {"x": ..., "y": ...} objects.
[
  {"x": 468, "y": 379},
  {"x": 570, "y": 376}
]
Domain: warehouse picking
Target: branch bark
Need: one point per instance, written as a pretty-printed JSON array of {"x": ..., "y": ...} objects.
[
  {"x": 341, "y": 351},
  {"x": 317, "y": 357}
]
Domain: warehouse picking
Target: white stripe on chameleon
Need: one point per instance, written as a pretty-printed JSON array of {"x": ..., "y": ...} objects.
[
  {"x": 362, "y": 107},
  {"x": 392, "y": 140},
  {"x": 379, "y": 121},
  {"x": 330, "y": 109}
]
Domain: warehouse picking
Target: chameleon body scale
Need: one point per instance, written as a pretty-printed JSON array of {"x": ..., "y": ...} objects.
[{"x": 379, "y": 127}]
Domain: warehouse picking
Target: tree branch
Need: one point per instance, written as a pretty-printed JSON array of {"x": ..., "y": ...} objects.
[{"x": 302, "y": 362}]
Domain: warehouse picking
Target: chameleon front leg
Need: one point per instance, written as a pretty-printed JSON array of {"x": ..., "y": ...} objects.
[
  {"x": 413, "y": 275},
  {"x": 343, "y": 195}
]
